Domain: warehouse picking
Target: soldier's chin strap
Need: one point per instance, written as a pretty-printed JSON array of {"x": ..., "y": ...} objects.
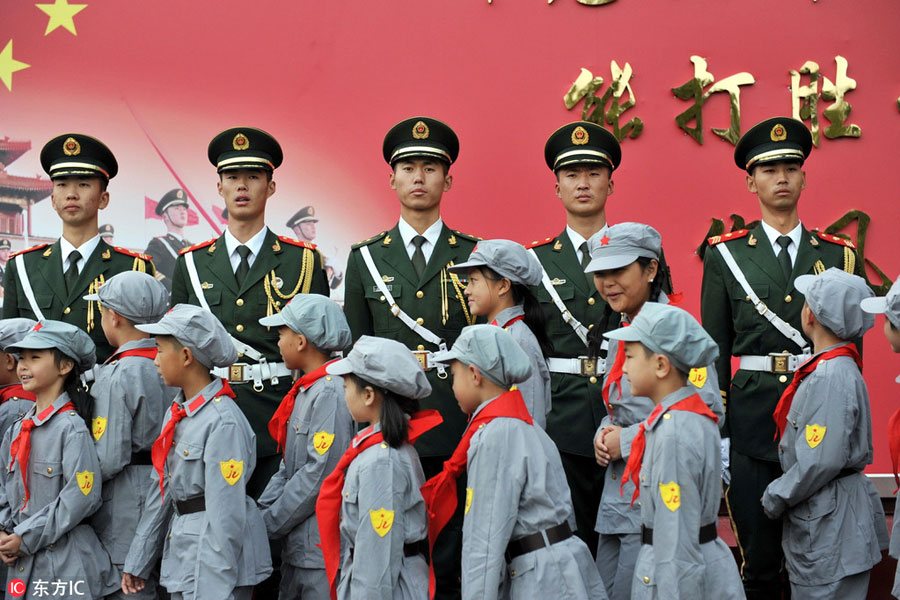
[
  {"x": 421, "y": 331},
  {"x": 22, "y": 274}
]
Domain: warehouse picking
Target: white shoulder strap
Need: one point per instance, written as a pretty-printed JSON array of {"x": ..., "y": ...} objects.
[
  {"x": 784, "y": 328},
  {"x": 567, "y": 316},
  {"x": 22, "y": 273},
  {"x": 168, "y": 246}
]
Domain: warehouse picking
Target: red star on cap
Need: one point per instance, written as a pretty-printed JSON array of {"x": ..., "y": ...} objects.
[
  {"x": 604, "y": 241},
  {"x": 38, "y": 327}
]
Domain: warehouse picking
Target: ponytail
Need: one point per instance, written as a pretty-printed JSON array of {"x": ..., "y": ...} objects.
[
  {"x": 394, "y": 412},
  {"x": 74, "y": 388},
  {"x": 534, "y": 316}
]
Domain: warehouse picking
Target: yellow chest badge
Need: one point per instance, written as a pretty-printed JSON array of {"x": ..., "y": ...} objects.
[
  {"x": 468, "y": 500},
  {"x": 815, "y": 434},
  {"x": 85, "y": 481},
  {"x": 98, "y": 427},
  {"x": 382, "y": 521},
  {"x": 698, "y": 377},
  {"x": 671, "y": 495},
  {"x": 232, "y": 470},
  {"x": 322, "y": 441}
]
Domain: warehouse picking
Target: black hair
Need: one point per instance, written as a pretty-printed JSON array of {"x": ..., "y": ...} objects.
[
  {"x": 444, "y": 164},
  {"x": 74, "y": 388},
  {"x": 609, "y": 170},
  {"x": 794, "y": 161},
  {"x": 394, "y": 409},
  {"x": 268, "y": 173},
  {"x": 534, "y": 314}
]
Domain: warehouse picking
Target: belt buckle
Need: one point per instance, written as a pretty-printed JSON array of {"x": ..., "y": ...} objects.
[
  {"x": 588, "y": 367},
  {"x": 780, "y": 363},
  {"x": 422, "y": 357},
  {"x": 236, "y": 372}
]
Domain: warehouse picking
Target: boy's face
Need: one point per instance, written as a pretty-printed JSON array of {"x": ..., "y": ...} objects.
[
  {"x": 246, "y": 192},
  {"x": 464, "y": 387},
  {"x": 892, "y": 334},
  {"x": 583, "y": 188},
  {"x": 805, "y": 321},
  {"x": 777, "y": 184},
  {"x": 38, "y": 371},
  {"x": 169, "y": 361},
  {"x": 420, "y": 183},
  {"x": 288, "y": 345},
  {"x": 640, "y": 368},
  {"x": 78, "y": 199}
]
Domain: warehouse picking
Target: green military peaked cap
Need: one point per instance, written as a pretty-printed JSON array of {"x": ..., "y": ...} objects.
[
  {"x": 420, "y": 137},
  {"x": 582, "y": 142},
  {"x": 245, "y": 148},
  {"x": 76, "y": 154},
  {"x": 778, "y": 138},
  {"x": 172, "y": 198}
]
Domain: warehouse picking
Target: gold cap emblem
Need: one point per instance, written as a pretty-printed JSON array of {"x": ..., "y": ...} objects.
[
  {"x": 71, "y": 147},
  {"x": 580, "y": 136},
  {"x": 240, "y": 142},
  {"x": 312, "y": 211},
  {"x": 420, "y": 130},
  {"x": 779, "y": 133},
  {"x": 179, "y": 194}
]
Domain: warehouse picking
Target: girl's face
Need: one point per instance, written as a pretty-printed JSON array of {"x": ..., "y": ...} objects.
[
  {"x": 361, "y": 402},
  {"x": 626, "y": 289},
  {"x": 38, "y": 372},
  {"x": 892, "y": 334},
  {"x": 483, "y": 294}
]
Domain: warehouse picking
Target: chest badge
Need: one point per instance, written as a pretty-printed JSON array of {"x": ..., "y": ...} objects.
[
  {"x": 232, "y": 470},
  {"x": 98, "y": 427},
  {"x": 85, "y": 481},
  {"x": 382, "y": 521},
  {"x": 698, "y": 377},
  {"x": 815, "y": 433},
  {"x": 322, "y": 441},
  {"x": 671, "y": 495}
]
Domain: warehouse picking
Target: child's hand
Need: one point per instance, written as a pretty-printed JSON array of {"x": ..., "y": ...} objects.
[
  {"x": 132, "y": 584},
  {"x": 601, "y": 452},
  {"x": 611, "y": 440},
  {"x": 9, "y": 546}
]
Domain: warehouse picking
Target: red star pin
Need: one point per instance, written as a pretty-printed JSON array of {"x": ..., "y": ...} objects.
[
  {"x": 604, "y": 241},
  {"x": 38, "y": 327}
]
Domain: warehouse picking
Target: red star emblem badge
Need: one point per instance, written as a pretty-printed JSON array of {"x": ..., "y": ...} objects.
[
  {"x": 38, "y": 326},
  {"x": 604, "y": 241}
]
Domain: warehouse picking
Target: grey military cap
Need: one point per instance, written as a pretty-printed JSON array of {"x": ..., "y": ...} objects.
[
  {"x": 139, "y": 297},
  {"x": 493, "y": 350},
  {"x": 13, "y": 330},
  {"x": 834, "y": 297},
  {"x": 199, "y": 330},
  {"x": 387, "y": 364},
  {"x": 509, "y": 259},
  {"x": 320, "y": 319},
  {"x": 622, "y": 244},
  {"x": 68, "y": 339},
  {"x": 889, "y": 304},
  {"x": 670, "y": 331}
]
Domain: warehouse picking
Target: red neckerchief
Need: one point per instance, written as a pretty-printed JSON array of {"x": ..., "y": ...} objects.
[
  {"x": 508, "y": 323},
  {"x": 278, "y": 423},
  {"x": 21, "y": 446},
  {"x": 15, "y": 390},
  {"x": 163, "y": 443},
  {"x": 328, "y": 504},
  {"x": 787, "y": 398},
  {"x": 142, "y": 352},
  {"x": 614, "y": 375},
  {"x": 439, "y": 492},
  {"x": 633, "y": 469}
]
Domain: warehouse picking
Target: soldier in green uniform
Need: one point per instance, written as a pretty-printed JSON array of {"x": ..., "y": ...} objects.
[
  {"x": 398, "y": 286},
  {"x": 164, "y": 249},
  {"x": 583, "y": 156},
  {"x": 248, "y": 273},
  {"x": 751, "y": 309},
  {"x": 49, "y": 281}
]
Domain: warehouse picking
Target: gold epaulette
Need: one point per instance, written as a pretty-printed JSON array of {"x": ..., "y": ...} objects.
[
  {"x": 369, "y": 240},
  {"x": 130, "y": 253},
  {"x": 26, "y": 250},
  {"x": 293, "y": 242},
  {"x": 543, "y": 242},
  {"x": 834, "y": 239},
  {"x": 198, "y": 246},
  {"x": 725, "y": 237},
  {"x": 467, "y": 236}
]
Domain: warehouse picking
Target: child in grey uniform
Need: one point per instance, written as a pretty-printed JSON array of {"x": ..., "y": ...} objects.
[
  {"x": 518, "y": 512},
  {"x": 501, "y": 275},
  {"x": 370, "y": 512},
  {"x": 889, "y": 305},
  {"x": 50, "y": 480},
  {"x": 830, "y": 532},
  {"x": 313, "y": 428},
  {"x": 130, "y": 402},
  {"x": 216, "y": 547},
  {"x": 14, "y": 401},
  {"x": 675, "y": 459}
]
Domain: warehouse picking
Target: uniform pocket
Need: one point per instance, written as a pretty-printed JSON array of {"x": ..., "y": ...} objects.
[{"x": 383, "y": 320}]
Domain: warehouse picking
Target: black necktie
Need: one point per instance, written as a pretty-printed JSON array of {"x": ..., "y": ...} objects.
[
  {"x": 784, "y": 259},
  {"x": 418, "y": 257},
  {"x": 71, "y": 274},
  {"x": 585, "y": 261},
  {"x": 244, "y": 266}
]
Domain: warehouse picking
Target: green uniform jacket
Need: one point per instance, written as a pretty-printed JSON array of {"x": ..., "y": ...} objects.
[
  {"x": 738, "y": 329},
  {"x": 239, "y": 309},
  {"x": 368, "y": 313},
  {"x": 45, "y": 273},
  {"x": 577, "y": 405}
]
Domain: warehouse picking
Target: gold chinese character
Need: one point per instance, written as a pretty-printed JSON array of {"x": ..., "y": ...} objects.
[
  {"x": 693, "y": 89},
  {"x": 804, "y": 100},
  {"x": 586, "y": 85}
]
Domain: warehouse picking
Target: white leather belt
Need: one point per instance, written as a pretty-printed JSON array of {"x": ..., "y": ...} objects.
[
  {"x": 257, "y": 373},
  {"x": 774, "y": 363},
  {"x": 583, "y": 365}
]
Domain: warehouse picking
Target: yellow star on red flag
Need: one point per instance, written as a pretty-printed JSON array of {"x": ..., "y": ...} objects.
[
  {"x": 9, "y": 65},
  {"x": 61, "y": 15}
]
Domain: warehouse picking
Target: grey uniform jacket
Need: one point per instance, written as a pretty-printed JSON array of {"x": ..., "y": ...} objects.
[
  {"x": 830, "y": 528},
  {"x": 536, "y": 389},
  {"x": 12, "y": 410},
  {"x": 318, "y": 433},
  {"x": 130, "y": 402},
  {"x": 616, "y": 515},
  {"x": 381, "y": 511},
  {"x": 517, "y": 487},
  {"x": 206, "y": 553},
  {"x": 681, "y": 487},
  {"x": 64, "y": 489}
]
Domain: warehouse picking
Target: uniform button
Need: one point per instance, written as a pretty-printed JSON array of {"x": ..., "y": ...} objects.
[
  {"x": 170, "y": 474},
  {"x": 186, "y": 452},
  {"x": 420, "y": 294},
  {"x": 21, "y": 569},
  {"x": 593, "y": 379},
  {"x": 384, "y": 445},
  {"x": 748, "y": 299},
  {"x": 481, "y": 426},
  {"x": 49, "y": 469},
  {"x": 239, "y": 301},
  {"x": 646, "y": 580},
  {"x": 642, "y": 477},
  {"x": 346, "y": 494},
  {"x": 328, "y": 378},
  {"x": 614, "y": 476},
  {"x": 240, "y": 355},
  {"x": 217, "y": 399},
  {"x": 381, "y": 298},
  {"x": 51, "y": 545},
  {"x": 591, "y": 301},
  {"x": 667, "y": 416},
  {"x": 420, "y": 321},
  {"x": 68, "y": 310},
  {"x": 783, "y": 379},
  {"x": 513, "y": 572},
  {"x": 170, "y": 536},
  {"x": 239, "y": 328},
  {"x": 591, "y": 326},
  {"x": 420, "y": 348},
  {"x": 788, "y": 298}
]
